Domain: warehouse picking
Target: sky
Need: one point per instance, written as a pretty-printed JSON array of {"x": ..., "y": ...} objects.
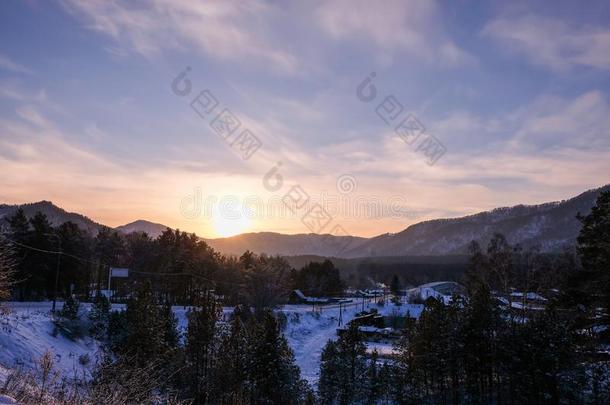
[{"x": 220, "y": 117}]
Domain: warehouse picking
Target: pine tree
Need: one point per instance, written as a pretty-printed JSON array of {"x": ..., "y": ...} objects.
[
  {"x": 403, "y": 375},
  {"x": 169, "y": 323},
  {"x": 481, "y": 324},
  {"x": 99, "y": 316},
  {"x": 230, "y": 375},
  {"x": 373, "y": 380},
  {"x": 395, "y": 285},
  {"x": 144, "y": 339},
  {"x": 117, "y": 331},
  {"x": 594, "y": 252},
  {"x": 19, "y": 224},
  {"x": 201, "y": 348},
  {"x": 274, "y": 376},
  {"x": 7, "y": 268},
  {"x": 329, "y": 374},
  {"x": 70, "y": 308},
  {"x": 343, "y": 369}
]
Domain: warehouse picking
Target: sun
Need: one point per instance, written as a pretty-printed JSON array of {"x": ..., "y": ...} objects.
[{"x": 225, "y": 227}]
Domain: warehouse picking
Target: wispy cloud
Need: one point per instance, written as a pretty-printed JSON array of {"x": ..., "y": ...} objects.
[
  {"x": 9, "y": 64},
  {"x": 410, "y": 26},
  {"x": 552, "y": 42},
  {"x": 221, "y": 29}
]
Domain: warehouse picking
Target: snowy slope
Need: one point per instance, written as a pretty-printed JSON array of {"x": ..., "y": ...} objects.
[
  {"x": 27, "y": 332},
  {"x": 307, "y": 332}
]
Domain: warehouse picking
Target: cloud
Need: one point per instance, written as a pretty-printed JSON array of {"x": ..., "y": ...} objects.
[
  {"x": 221, "y": 29},
  {"x": 411, "y": 26},
  {"x": 12, "y": 90},
  {"x": 8, "y": 64},
  {"x": 551, "y": 42},
  {"x": 550, "y": 122}
]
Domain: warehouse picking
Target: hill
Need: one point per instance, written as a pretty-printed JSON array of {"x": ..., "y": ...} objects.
[{"x": 55, "y": 214}]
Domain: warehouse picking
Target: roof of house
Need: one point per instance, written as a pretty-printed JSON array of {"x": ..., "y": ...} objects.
[{"x": 529, "y": 295}]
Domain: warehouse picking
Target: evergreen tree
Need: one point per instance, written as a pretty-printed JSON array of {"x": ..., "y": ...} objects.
[
  {"x": 395, "y": 285},
  {"x": 144, "y": 340},
  {"x": 318, "y": 279},
  {"x": 231, "y": 371},
  {"x": 594, "y": 237},
  {"x": 274, "y": 376},
  {"x": 169, "y": 323},
  {"x": 480, "y": 336},
  {"x": 70, "y": 308},
  {"x": 7, "y": 268},
  {"x": 99, "y": 316},
  {"x": 330, "y": 369},
  {"x": 373, "y": 379},
  {"x": 343, "y": 369},
  {"x": 405, "y": 389},
  {"x": 19, "y": 224},
  {"x": 201, "y": 348},
  {"x": 117, "y": 331},
  {"x": 594, "y": 251},
  {"x": 267, "y": 283}
]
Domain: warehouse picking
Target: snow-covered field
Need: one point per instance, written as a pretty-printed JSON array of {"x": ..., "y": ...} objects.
[
  {"x": 27, "y": 332},
  {"x": 307, "y": 332}
]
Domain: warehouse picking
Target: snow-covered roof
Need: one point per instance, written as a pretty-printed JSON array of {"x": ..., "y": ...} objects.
[
  {"x": 528, "y": 295},
  {"x": 305, "y": 298},
  {"x": 373, "y": 329},
  {"x": 438, "y": 284}
]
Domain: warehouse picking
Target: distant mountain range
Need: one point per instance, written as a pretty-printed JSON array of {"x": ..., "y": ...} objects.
[
  {"x": 551, "y": 226},
  {"x": 55, "y": 215},
  {"x": 151, "y": 228},
  {"x": 58, "y": 216}
]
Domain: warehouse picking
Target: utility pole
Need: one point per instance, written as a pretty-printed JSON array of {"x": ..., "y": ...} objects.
[{"x": 340, "y": 313}]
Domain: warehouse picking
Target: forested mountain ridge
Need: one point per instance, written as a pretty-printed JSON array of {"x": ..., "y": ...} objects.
[
  {"x": 54, "y": 214},
  {"x": 551, "y": 226}
]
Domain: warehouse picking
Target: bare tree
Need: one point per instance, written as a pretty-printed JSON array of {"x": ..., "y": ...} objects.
[{"x": 47, "y": 374}]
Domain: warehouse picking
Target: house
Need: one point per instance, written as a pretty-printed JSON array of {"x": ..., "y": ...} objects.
[
  {"x": 530, "y": 297},
  {"x": 520, "y": 301},
  {"x": 297, "y": 297},
  {"x": 370, "y": 293},
  {"x": 527, "y": 300},
  {"x": 441, "y": 290}
]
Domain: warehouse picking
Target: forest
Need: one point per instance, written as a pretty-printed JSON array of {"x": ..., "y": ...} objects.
[{"x": 471, "y": 350}]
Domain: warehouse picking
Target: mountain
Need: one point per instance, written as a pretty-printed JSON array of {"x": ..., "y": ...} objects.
[
  {"x": 290, "y": 245},
  {"x": 551, "y": 226},
  {"x": 153, "y": 229},
  {"x": 56, "y": 215}
]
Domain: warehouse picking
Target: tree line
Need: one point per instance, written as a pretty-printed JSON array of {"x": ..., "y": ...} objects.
[
  {"x": 479, "y": 350},
  {"x": 180, "y": 266},
  {"x": 473, "y": 350}
]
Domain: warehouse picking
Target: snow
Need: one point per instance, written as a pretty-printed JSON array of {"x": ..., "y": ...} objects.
[
  {"x": 529, "y": 296},
  {"x": 27, "y": 332},
  {"x": 6, "y": 400},
  {"x": 382, "y": 348},
  {"x": 307, "y": 332}
]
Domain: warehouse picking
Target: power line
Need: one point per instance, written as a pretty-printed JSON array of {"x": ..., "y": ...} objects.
[{"x": 82, "y": 259}]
